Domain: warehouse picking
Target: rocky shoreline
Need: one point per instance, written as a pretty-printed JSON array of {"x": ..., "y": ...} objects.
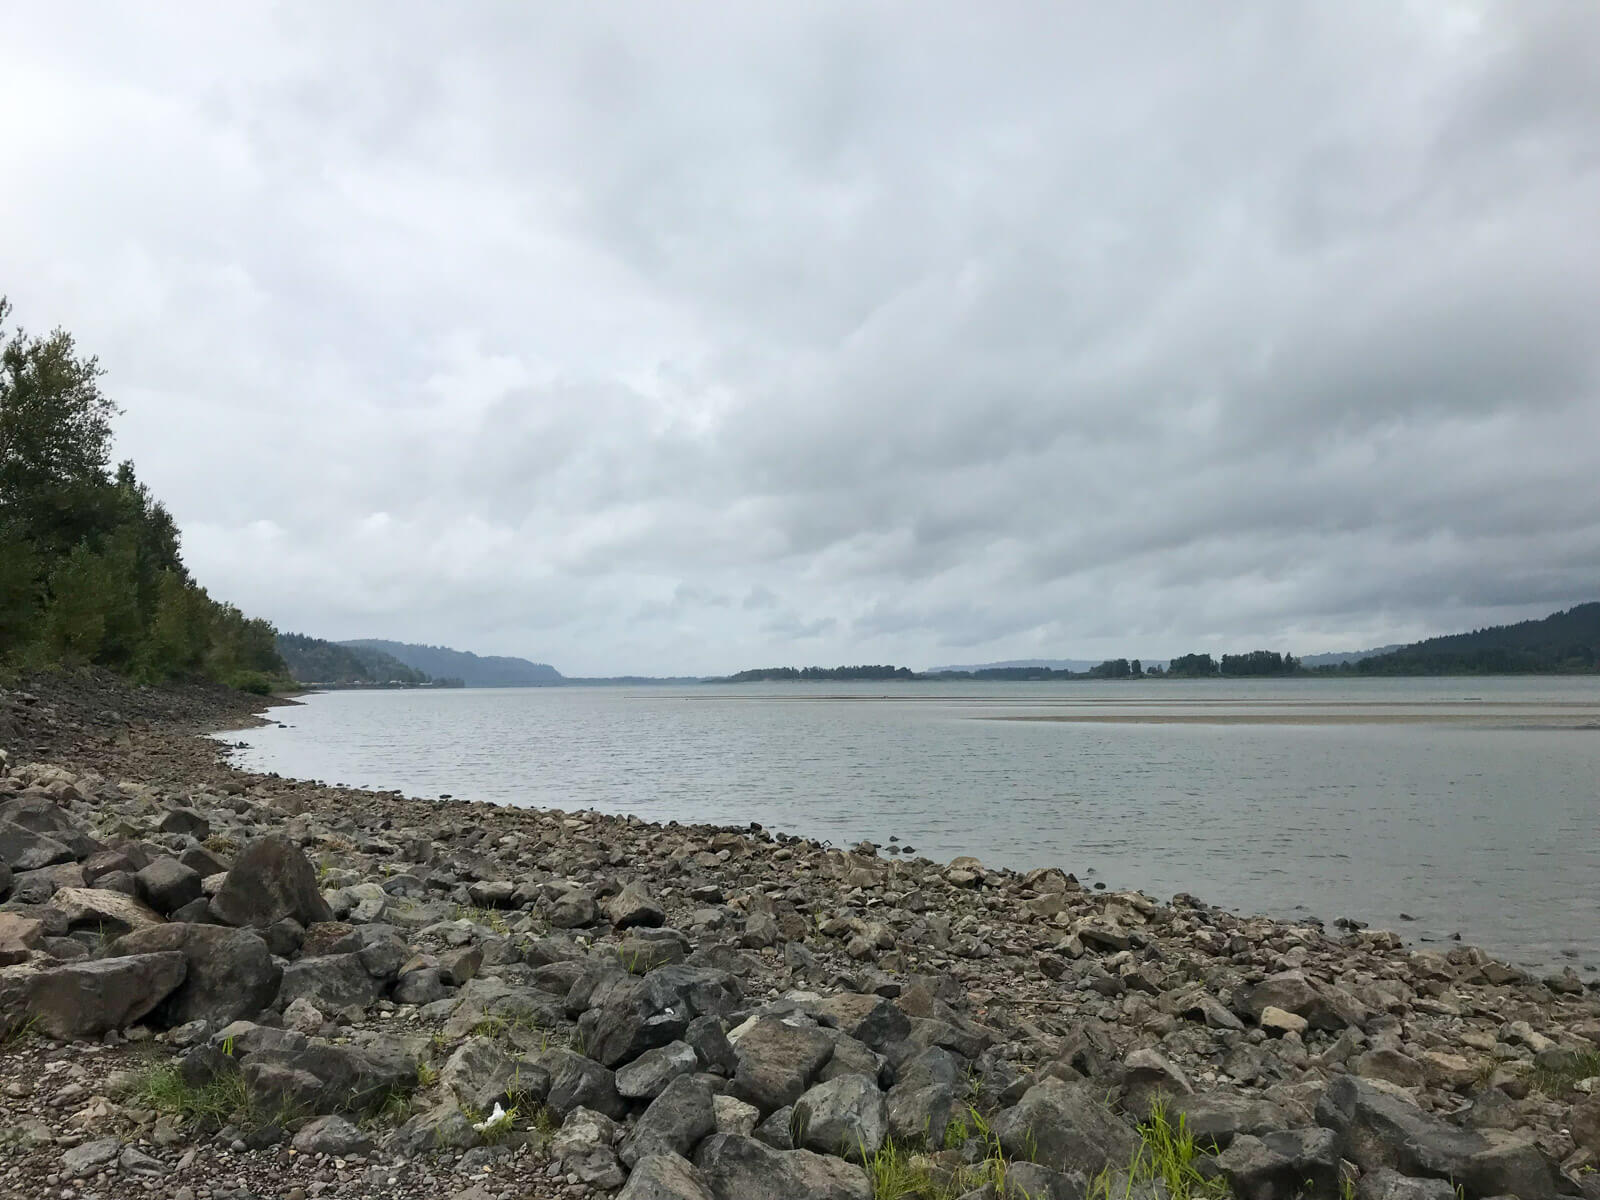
[{"x": 219, "y": 984}]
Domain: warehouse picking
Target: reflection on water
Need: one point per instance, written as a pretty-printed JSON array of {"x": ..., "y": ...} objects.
[{"x": 1470, "y": 805}]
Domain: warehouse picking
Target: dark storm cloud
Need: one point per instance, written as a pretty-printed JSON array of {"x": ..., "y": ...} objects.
[{"x": 679, "y": 338}]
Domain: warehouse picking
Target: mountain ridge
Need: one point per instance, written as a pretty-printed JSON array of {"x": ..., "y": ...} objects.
[{"x": 474, "y": 670}]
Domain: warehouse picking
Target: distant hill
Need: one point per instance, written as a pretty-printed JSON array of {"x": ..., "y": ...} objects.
[
  {"x": 1562, "y": 642},
  {"x": 1078, "y": 665},
  {"x": 314, "y": 660},
  {"x": 788, "y": 674},
  {"x": 1334, "y": 658},
  {"x": 471, "y": 669}
]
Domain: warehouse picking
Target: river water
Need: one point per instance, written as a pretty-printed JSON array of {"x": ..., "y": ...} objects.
[{"x": 1431, "y": 807}]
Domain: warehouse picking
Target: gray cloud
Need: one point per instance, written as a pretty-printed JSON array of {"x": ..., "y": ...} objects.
[{"x": 669, "y": 339}]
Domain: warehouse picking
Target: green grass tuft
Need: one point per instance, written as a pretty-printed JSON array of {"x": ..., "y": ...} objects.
[
  {"x": 1558, "y": 1081},
  {"x": 1167, "y": 1155}
]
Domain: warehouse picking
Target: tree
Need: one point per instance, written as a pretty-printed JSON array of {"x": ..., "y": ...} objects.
[{"x": 1138, "y": 667}]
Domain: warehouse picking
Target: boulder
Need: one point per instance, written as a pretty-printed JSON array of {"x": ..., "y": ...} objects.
[
  {"x": 187, "y": 822},
  {"x": 332, "y": 1134},
  {"x": 1322, "y": 1005},
  {"x": 576, "y": 1081},
  {"x": 24, "y": 850},
  {"x": 674, "y": 1123},
  {"x": 583, "y": 1147},
  {"x": 109, "y": 912},
  {"x": 920, "y": 1112},
  {"x": 84, "y": 999},
  {"x": 633, "y": 906},
  {"x": 1214, "y": 1119},
  {"x": 871, "y": 1020},
  {"x": 778, "y": 1061},
  {"x": 665, "y": 1177},
  {"x": 331, "y": 982},
  {"x": 19, "y": 937},
  {"x": 635, "y": 1015},
  {"x": 1281, "y": 1165},
  {"x": 445, "y": 1127},
  {"x": 1376, "y": 1128},
  {"x": 1384, "y": 1184},
  {"x": 480, "y": 1074},
  {"x": 847, "y": 1116},
  {"x": 270, "y": 880},
  {"x": 230, "y": 972},
  {"x": 740, "y": 1168},
  {"x": 327, "y": 1078},
  {"x": 166, "y": 885},
  {"x": 1066, "y": 1127},
  {"x": 647, "y": 1076},
  {"x": 90, "y": 1157}
]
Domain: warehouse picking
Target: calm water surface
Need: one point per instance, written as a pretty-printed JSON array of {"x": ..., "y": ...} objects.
[{"x": 1470, "y": 805}]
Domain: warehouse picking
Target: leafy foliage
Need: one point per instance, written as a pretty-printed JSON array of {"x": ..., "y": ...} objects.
[
  {"x": 314, "y": 660},
  {"x": 1562, "y": 642},
  {"x": 90, "y": 571}
]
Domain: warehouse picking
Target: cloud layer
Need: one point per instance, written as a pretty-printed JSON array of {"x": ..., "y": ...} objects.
[{"x": 681, "y": 338}]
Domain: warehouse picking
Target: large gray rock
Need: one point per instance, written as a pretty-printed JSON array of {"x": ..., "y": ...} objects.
[
  {"x": 647, "y": 1076},
  {"x": 331, "y": 1134},
  {"x": 1066, "y": 1127},
  {"x": 1376, "y": 1129},
  {"x": 665, "y": 1177},
  {"x": 1323, "y": 1005},
  {"x": 633, "y": 907},
  {"x": 108, "y": 913},
  {"x": 674, "y": 1123},
  {"x": 480, "y": 1074},
  {"x": 24, "y": 850},
  {"x": 847, "y": 1116},
  {"x": 778, "y": 1061},
  {"x": 584, "y": 1148},
  {"x": 84, "y": 999},
  {"x": 166, "y": 885},
  {"x": 230, "y": 972},
  {"x": 579, "y": 1082},
  {"x": 923, "y": 1112},
  {"x": 741, "y": 1168},
  {"x": 445, "y": 1127},
  {"x": 90, "y": 1157},
  {"x": 1281, "y": 1165},
  {"x": 328, "y": 1078},
  {"x": 331, "y": 982},
  {"x": 1216, "y": 1118},
  {"x": 270, "y": 880},
  {"x": 1384, "y": 1184},
  {"x": 871, "y": 1020},
  {"x": 630, "y": 1016}
]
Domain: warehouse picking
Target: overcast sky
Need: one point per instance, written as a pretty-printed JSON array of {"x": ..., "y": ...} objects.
[{"x": 684, "y": 338}]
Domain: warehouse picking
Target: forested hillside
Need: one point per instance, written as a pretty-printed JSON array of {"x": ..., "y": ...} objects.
[
  {"x": 1562, "y": 642},
  {"x": 472, "y": 669},
  {"x": 315, "y": 660},
  {"x": 90, "y": 569}
]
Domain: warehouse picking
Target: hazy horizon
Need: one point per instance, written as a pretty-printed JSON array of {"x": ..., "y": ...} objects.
[{"x": 676, "y": 340}]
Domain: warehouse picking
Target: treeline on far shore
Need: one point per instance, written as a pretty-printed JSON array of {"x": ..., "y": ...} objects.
[{"x": 90, "y": 570}]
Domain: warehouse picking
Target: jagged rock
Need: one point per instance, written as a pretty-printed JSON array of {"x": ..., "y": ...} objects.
[
  {"x": 230, "y": 972},
  {"x": 737, "y": 1168},
  {"x": 331, "y": 1134},
  {"x": 576, "y": 1081},
  {"x": 847, "y": 1116},
  {"x": 778, "y": 1061},
  {"x": 325, "y": 1077},
  {"x": 633, "y": 906},
  {"x": 90, "y": 1157},
  {"x": 1281, "y": 1165},
  {"x": 1322, "y": 1005},
  {"x": 1378, "y": 1129},
  {"x": 583, "y": 1146},
  {"x": 19, "y": 937},
  {"x": 331, "y": 982},
  {"x": 187, "y": 822},
  {"x": 712, "y": 1049},
  {"x": 1151, "y": 1078},
  {"x": 648, "y": 1075},
  {"x": 1279, "y": 1021},
  {"x": 166, "y": 885},
  {"x": 270, "y": 880},
  {"x": 1384, "y": 1184},
  {"x": 735, "y": 1116},
  {"x": 107, "y": 912},
  {"x": 24, "y": 850},
  {"x": 1030, "y": 1181},
  {"x": 636, "y": 1015},
  {"x": 920, "y": 1112},
  {"x": 1066, "y": 1127},
  {"x": 573, "y": 909},
  {"x": 133, "y": 1161},
  {"x": 674, "y": 1123},
  {"x": 872, "y": 1020},
  {"x": 480, "y": 1074},
  {"x": 1216, "y": 1118},
  {"x": 665, "y": 1177},
  {"x": 84, "y": 999},
  {"x": 445, "y": 1127}
]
